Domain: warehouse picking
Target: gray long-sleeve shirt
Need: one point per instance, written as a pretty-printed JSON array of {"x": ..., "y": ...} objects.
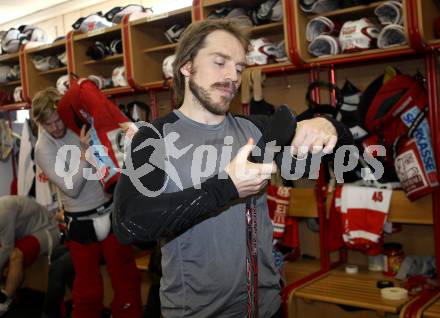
[
  {"x": 83, "y": 194},
  {"x": 19, "y": 217},
  {"x": 202, "y": 222}
]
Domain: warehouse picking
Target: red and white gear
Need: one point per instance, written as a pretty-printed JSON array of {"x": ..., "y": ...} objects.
[
  {"x": 390, "y": 12},
  {"x": 285, "y": 228},
  {"x": 363, "y": 212},
  {"x": 260, "y": 50},
  {"x": 167, "y": 66},
  {"x": 415, "y": 160},
  {"x": 116, "y": 14},
  {"x": 358, "y": 35},
  {"x": 83, "y": 104},
  {"x": 320, "y": 25},
  {"x": 278, "y": 204},
  {"x": 384, "y": 119},
  {"x": 90, "y": 23},
  {"x": 118, "y": 76}
]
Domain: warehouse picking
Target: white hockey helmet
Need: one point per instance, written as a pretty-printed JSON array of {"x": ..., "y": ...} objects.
[
  {"x": 319, "y": 25},
  {"x": 12, "y": 40},
  {"x": 116, "y": 14},
  {"x": 63, "y": 84},
  {"x": 118, "y": 76},
  {"x": 391, "y": 35},
  {"x": 324, "y": 45},
  {"x": 45, "y": 62},
  {"x": 92, "y": 22},
  {"x": 34, "y": 34},
  {"x": 167, "y": 66},
  {"x": 318, "y": 6},
  {"x": 4, "y": 73},
  {"x": 14, "y": 73},
  {"x": 389, "y": 12},
  {"x": 18, "y": 94},
  {"x": 62, "y": 57},
  {"x": 268, "y": 11}
]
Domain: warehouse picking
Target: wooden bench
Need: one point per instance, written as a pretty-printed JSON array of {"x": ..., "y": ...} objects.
[
  {"x": 294, "y": 271},
  {"x": 337, "y": 287},
  {"x": 432, "y": 309},
  {"x": 402, "y": 210}
]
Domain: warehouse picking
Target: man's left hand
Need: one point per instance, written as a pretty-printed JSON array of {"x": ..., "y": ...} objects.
[{"x": 314, "y": 135}]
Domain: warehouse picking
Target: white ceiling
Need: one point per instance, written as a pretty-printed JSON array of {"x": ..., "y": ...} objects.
[{"x": 11, "y": 10}]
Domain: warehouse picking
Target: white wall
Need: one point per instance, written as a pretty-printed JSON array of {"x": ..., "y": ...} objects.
[{"x": 57, "y": 20}]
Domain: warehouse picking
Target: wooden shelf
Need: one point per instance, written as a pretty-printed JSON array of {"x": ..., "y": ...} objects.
[
  {"x": 47, "y": 47},
  {"x": 402, "y": 210},
  {"x": 167, "y": 47},
  {"x": 349, "y": 11},
  {"x": 54, "y": 71},
  {"x": 12, "y": 57},
  {"x": 157, "y": 17},
  {"x": 117, "y": 90},
  {"x": 266, "y": 28},
  {"x": 210, "y": 3},
  {"x": 109, "y": 59},
  {"x": 427, "y": 12},
  {"x": 303, "y": 203},
  {"x": 15, "y": 106},
  {"x": 154, "y": 85},
  {"x": 365, "y": 53},
  {"x": 358, "y": 290},
  {"x": 11, "y": 83},
  {"x": 98, "y": 32}
]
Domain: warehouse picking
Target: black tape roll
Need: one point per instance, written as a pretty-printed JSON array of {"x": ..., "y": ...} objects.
[{"x": 384, "y": 284}]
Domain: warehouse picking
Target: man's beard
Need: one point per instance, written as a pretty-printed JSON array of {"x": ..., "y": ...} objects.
[{"x": 203, "y": 96}]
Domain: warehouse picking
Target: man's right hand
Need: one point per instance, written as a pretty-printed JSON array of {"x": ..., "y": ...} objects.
[{"x": 249, "y": 178}]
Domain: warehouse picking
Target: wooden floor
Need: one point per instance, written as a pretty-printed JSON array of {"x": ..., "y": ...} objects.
[{"x": 433, "y": 311}]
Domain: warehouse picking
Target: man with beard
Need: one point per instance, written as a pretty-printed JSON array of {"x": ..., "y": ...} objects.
[
  {"x": 87, "y": 210},
  {"x": 201, "y": 222}
]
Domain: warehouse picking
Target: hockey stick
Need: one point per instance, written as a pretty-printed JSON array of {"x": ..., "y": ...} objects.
[{"x": 281, "y": 130}]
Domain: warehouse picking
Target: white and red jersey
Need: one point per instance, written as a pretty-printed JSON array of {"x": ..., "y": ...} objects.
[{"x": 363, "y": 213}]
